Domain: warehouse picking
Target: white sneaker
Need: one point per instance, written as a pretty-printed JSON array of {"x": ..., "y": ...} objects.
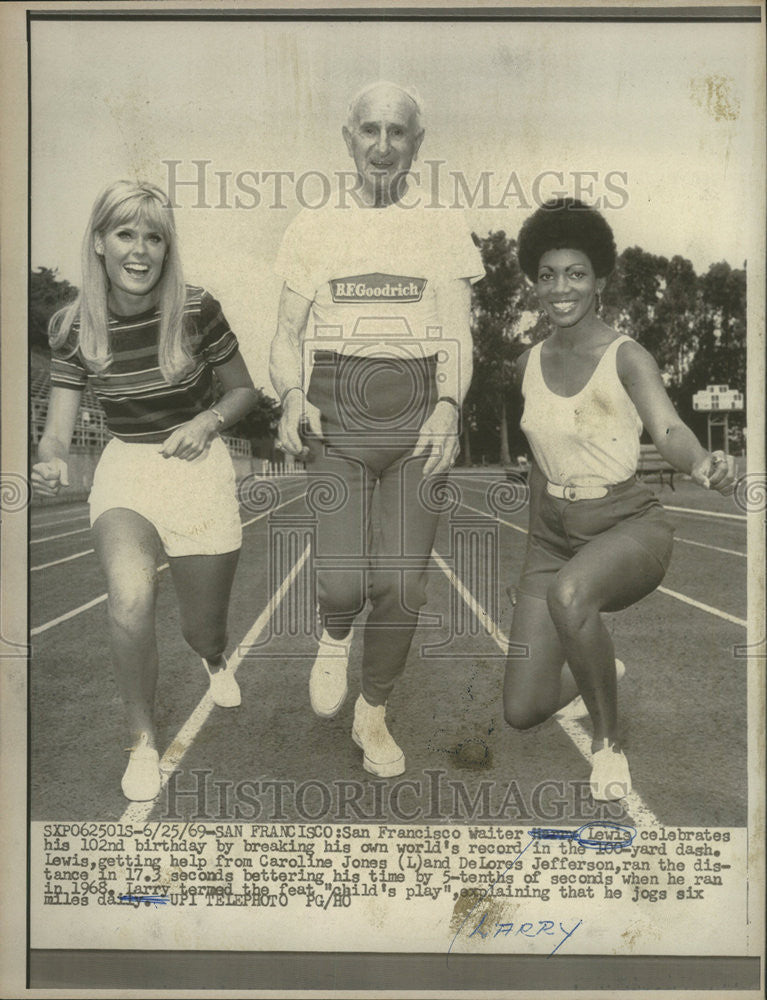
[
  {"x": 576, "y": 708},
  {"x": 224, "y": 689},
  {"x": 141, "y": 781},
  {"x": 382, "y": 755},
  {"x": 610, "y": 776},
  {"x": 327, "y": 680}
]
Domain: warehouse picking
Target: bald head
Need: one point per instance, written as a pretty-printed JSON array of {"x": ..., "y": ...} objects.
[
  {"x": 383, "y": 136},
  {"x": 392, "y": 95}
]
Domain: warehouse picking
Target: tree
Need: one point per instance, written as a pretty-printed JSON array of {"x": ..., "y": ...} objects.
[
  {"x": 631, "y": 296},
  {"x": 720, "y": 339},
  {"x": 677, "y": 310},
  {"x": 260, "y": 425},
  {"x": 47, "y": 293},
  {"x": 499, "y": 302}
]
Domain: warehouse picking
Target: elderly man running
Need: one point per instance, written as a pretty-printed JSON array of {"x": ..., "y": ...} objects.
[{"x": 372, "y": 359}]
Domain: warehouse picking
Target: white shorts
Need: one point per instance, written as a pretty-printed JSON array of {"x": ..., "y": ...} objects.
[{"x": 193, "y": 505}]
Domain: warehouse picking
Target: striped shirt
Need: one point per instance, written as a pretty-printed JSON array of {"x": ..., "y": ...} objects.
[{"x": 138, "y": 403}]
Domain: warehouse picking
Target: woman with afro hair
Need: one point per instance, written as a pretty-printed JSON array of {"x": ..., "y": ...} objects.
[{"x": 598, "y": 540}]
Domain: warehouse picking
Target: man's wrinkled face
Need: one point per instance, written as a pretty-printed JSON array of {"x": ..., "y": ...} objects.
[{"x": 383, "y": 140}]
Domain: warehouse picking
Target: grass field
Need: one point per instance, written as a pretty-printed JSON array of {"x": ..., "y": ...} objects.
[{"x": 682, "y": 702}]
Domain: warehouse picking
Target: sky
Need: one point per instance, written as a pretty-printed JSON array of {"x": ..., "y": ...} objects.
[{"x": 656, "y": 123}]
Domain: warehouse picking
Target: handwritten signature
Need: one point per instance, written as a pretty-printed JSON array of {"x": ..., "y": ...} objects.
[
  {"x": 526, "y": 929},
  {"x": 597, "y": 835}
]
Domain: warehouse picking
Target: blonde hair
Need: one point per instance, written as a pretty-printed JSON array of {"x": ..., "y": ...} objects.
[{"x": 118, "y": 204}]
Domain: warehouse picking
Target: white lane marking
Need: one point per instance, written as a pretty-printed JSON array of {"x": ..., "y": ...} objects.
[
  {"x": 98, "y": 600},
  {"x": 679, "y": 510},
  {"x": 69, "y": 614},
  {"x": 57, "y": 562},
  {"x": 62, "y": 534},
  {"x": 663, "y": 590},
  {"x": 714, "y": 548},
  {"x": 474, "y": 606},
  {"x": 77, "y": 611},
  {"x": 704, "y": 607},
  {"x": 37, "y": 522},
  {"x": 258, "y": 517},
  {"x": 138, "y": 812},
  {"x": 64, "y": 520},
  {"x": 688, "y": 541},
  {"x": 632, "y": 802},
  {"x": 493, "y": 517},
  {"x": 705, "y": 513}
]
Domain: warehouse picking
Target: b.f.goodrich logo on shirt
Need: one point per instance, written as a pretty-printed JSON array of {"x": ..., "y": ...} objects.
[{"x": 377, "y": 288}]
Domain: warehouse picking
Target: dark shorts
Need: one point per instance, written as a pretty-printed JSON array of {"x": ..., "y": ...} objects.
[
  {"x": 373, "y": 400},
  {"x": 561, "y": 528}
]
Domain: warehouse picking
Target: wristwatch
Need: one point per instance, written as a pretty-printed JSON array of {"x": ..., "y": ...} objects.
[{"x": 218, "y": 415}]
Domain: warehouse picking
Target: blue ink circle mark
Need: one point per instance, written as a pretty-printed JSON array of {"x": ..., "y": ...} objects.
[{"x": 603, "y": 844}]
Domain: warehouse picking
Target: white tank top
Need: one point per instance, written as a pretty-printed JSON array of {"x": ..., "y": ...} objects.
[{"x": 589, "y": 439}]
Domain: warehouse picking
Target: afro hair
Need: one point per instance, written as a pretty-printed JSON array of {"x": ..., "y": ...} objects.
[{"x": 566, "y": 224}]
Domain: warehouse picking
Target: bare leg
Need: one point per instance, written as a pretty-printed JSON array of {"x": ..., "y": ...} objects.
[
  {"x": 536, "y": 685},
  {"x": 127, "y": 546},
  {"x": 204, "y": 585},
  {"x": 609, "y": 573}
]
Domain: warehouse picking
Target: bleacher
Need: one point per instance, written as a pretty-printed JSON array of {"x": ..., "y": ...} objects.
[{"x": 652, "y": 463}]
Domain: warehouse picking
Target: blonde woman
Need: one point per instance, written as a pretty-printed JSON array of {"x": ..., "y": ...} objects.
[{"x": 149, "y": 346}]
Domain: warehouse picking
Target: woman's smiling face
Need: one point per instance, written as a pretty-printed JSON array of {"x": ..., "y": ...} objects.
[
  {"x": 134, "y": 254},
  {"x": 567, "y": 286}
]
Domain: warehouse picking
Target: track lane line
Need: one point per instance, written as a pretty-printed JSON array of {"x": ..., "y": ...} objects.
[
  {"x": 494, "y": 517},
  {"x": 36, "y": 521},
  {"x": 714, "y": 548},
  {"x": 57, "y": 562},
  {"x": 679, "y": 510},
  {"x": 62, "y": 534},
  {"x": 639, "y": 812},
  {"x": 77, "y": 531},
  {"x": 663, "y": 590},
  {"x": 705, "y": 513},
  {"x": 39, "y": 629},
  {"x": 63, "y": 520},
  {"x": 258, "y": 517},
  {"x": 77, "y": 555},
  {"x": 138, "y": 812},
  {"x": 687, "y": 541},
  {"x": 703, "y": 607}
]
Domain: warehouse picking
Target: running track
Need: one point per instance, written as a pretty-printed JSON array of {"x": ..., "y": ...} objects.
[{"x": 683, "y": 700}]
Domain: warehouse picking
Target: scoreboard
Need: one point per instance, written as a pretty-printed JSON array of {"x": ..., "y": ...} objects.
[{"x": 717, "y": 398}]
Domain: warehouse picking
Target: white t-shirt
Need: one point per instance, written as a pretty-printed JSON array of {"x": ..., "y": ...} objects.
[{"x": 371, "y": 275}]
